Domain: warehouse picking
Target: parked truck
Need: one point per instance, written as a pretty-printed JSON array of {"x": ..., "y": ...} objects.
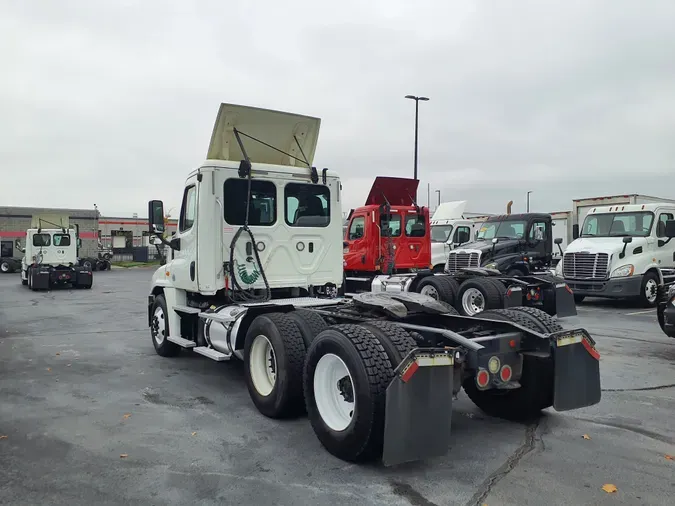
[
  {"x": 449, "y": 227},
  {"x": 621, "y": 252},
  {"x": 255, "y": 271},
  {"x": 51, "y": 254}
]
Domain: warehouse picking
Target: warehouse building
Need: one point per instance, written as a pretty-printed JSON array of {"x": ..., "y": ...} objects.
[{"x": 122, "y": 235}]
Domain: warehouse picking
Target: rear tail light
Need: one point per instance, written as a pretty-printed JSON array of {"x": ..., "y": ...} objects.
[
  {"x": 482, "y": 378},
  {"x": 506, "y": 373}
]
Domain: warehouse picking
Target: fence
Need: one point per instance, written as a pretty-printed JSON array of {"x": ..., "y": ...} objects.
[{"x": 137, "y": 254}]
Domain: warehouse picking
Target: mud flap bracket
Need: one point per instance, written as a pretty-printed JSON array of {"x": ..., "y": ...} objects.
[{"x": 418, "y": 409}]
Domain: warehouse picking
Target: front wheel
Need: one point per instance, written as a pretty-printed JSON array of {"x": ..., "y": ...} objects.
[
  {"x": 347, "y": 373},
  {"x": 649, "y": 290},
  {"x": 159, "y": 329}
]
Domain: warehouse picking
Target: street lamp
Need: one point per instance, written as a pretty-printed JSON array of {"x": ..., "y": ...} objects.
[
  {"x": 528, "y": 201},
  {"x": 439, "y": 197},
  {"x": 417, "y": 110}
]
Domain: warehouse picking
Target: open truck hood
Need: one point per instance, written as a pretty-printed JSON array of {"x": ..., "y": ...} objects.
[
  {"x": 274, "y": 128},
  {"x": 450, "y": 211},
  {"x": 50, "y": 220},
  {"x": 399, "y": 191}
]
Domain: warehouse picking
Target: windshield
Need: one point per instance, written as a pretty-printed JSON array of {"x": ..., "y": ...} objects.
[
  {"x": 637, "y": 224},
  {"x": 440, "y": 233},
  {"x": 510, "y": 229}
]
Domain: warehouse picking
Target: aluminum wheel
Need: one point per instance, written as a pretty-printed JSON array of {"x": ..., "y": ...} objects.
[
  {"x": 430, "y": 291},
  {"x": 159, "y": 325},
  {"x": 473, "y": 301},
  {"x": 334, "y": 392},
  {"x": 4, "y": 266},
  {"x": 651, "y": 288},
  {"x": 263, "y": 365}
]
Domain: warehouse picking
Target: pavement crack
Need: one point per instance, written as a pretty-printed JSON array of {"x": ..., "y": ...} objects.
[
  {"x": 408, "y": 492},
  {"x": 643, "y": 389},
  {"x": 488, "y": 484},
  {"x": 631, "y": 428}
]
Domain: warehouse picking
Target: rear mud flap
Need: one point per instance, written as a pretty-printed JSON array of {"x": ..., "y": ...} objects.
[
  {"x": 418, "y": 413},
  {"x": 564, "y": 301},
  {"x": 577, "y": 370},
  {"x": 513, "y": 297}
]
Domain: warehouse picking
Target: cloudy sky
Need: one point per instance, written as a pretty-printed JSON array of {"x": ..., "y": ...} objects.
[{"x": 112, "y": 103}]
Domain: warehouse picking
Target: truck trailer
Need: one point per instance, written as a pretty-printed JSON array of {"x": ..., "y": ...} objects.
[{"x": 255, "y": 272}]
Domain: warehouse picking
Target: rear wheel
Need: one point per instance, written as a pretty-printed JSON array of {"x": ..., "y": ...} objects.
[
  {"x": 347, "y": 372},
  {"x": 309, "y": 323},
  {"x": 274, "y": 353},
  {"x": 477, "y": 295},
  {"x": 396, "y": 341},
  {"x": 441, "y": 288}
]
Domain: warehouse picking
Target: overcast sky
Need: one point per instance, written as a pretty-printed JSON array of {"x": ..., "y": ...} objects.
[{"x": 112, "y": 103}]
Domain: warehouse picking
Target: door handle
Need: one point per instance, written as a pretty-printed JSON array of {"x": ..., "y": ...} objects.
[{"x": 192, "y": 270}]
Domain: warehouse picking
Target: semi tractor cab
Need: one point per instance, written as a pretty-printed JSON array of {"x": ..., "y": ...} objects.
[
  {"x": 388, "y": 235},
  {"x": 254, "y": 274},
  {"x": 51, "y": 255},
  {"x": 449, "y": 230},
  {"x": 622, "y": 252}
]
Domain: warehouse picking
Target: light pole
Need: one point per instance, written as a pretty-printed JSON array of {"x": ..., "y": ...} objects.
[
  {"x": 417, "y": 111},
  {"x": 528, "y": 201},
  {"x": 439, "y": 197}
]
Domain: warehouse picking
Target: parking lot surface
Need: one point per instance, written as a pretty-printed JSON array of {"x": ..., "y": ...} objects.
[{"x": 91, "y": 415}]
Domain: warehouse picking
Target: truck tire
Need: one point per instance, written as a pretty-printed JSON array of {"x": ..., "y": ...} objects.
[
  {"x": 5, "y": 268},
  {"x": 87, "y": 265},
  {"x": 159, "y": 329},
  {"x": 477, "y": 295},
  {"x": 346, "y": 376},
  {"x": 438, "y": 287},
  {"x": 274, "y": 355},
  {"x": 395, "y": 340},
  {"x": 309, "y": 323},
  {"x": 536, "y": 390},
  {"x": 545, "y": 321},
  {"x": 649, "y": 290}
]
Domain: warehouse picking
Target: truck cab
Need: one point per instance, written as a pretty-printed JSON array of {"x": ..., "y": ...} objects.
[
  {"x": 620, "y": 253},
  {"x": 449, "y": 230},
  {"x": 514, "y": 244},
  {"x": 389, "y": 234}
]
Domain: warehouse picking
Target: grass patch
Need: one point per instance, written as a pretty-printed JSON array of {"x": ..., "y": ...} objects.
[{"x": 127, "y": 265}]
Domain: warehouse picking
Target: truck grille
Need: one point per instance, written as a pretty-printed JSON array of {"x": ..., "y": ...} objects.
[
  {"x": 585, "y": 265},
  {"x": 457, "y": 261}
]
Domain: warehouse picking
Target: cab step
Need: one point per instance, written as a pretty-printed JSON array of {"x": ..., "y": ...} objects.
[
  {"x": 216, "y": 317},
  {"x": 211, "y": 353},
  {"x": 360, "y": 280},
  {"x": 185, "y": 343},
  {"x": 186, "y": 309}
]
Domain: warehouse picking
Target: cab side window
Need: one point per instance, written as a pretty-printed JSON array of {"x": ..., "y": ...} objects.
[
  {"x": 61, "y": 240},
  {"x": 538, "y": 231},
  {"x": 42, "y": 240},
  {"x": 262, "y": 209},
  {"x": 661, "y": 225},
  {"x": 462, "y": 235},
  {"x": 357, "y": 228},
  {"x": 307, "y": 205},
  {"x": 188, "y": 211}
]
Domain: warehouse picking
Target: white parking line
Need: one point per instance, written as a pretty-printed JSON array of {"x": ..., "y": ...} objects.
[{"x": 641, "y": 312}]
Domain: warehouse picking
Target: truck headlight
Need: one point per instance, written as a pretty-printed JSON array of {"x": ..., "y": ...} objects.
[
  {"x": 623, "y": 271},
  {"x": 491, "y": 265}
]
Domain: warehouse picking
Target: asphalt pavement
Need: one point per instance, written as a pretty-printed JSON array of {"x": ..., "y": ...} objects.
[{"x": 91, "y": 415}]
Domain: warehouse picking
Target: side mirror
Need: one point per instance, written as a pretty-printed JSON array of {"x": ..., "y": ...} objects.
[
  {"x": 627, "y": 240},
  {"x": 558, "y": 240},
  {"x": 670, "y": 229},
  {"x": 156, "y": 217},
  {"x": 79, "y": 242},
  {"x": 575, "y": 231},
  {"x": 17, "y": 243}
]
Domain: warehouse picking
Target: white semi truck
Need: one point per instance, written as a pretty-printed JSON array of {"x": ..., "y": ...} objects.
[
  {"x": 622, "y": 251},
  {"x": 256, "y": 265},
  {"x": 51, "y": 255},
  {"x": 449, "y": 230}
]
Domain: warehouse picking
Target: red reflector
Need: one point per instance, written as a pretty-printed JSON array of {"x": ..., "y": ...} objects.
[
  {"x": 482, "y": 378},
  {"x": 506, "y": 373},
  {"x": 408, "y": 373},
  {"x": 569, "y": 289},
  {"x": 509, "y": 292},
  {"x": 590, "y": 349},
  {"x": 512, "y": 343}
]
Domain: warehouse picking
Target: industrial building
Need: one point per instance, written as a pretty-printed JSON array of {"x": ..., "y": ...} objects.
[{"x": 121, "y": 235}]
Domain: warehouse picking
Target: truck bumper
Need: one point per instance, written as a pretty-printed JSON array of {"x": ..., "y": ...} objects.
[
  {"x": 418, "y": 408},
  {"x": 615, "y": 288}
]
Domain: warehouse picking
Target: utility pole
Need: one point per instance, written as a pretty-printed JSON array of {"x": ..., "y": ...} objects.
[{"x": 417, "y": 111}]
